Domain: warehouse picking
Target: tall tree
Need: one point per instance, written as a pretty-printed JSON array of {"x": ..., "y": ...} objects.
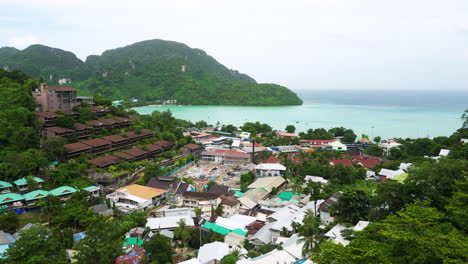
[
  {"x": 158, "y": 249},
  {"x": 310, "y": 233}
]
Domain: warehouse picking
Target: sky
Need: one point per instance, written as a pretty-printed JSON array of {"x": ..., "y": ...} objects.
[{"x": 301, "y": 44}]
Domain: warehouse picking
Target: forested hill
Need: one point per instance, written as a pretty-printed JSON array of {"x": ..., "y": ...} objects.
[{"x": 149, "y": 70}]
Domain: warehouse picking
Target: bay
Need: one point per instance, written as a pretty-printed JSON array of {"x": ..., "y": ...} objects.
[{"x": 387, "y": 114}]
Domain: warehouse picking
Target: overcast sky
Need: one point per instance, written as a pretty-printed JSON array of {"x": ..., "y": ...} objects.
[{"x": 313, "y": 44}]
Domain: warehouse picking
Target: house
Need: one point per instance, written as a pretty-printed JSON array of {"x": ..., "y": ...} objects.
[
  {"x": 117, "y": 141},
  {"x": 137, "y": 153},
  {"x": 6, "y": 241},
  {"x": 365, "y": 141},
  {"x": 122, "y": 122},
  {"x": 168, "y": 223},
  {"x": 230, "y": 205},
  {"x": 105, "y": 161},
  {"x": 164, "y": 144},
  {"x": 325, "y": 208},
  {"x": 287, "y": 149},
  {"x": 251, "y": 198},
  {"x": 31, "y": 198},
  {"x": 244, "y": 136},
  {"x": 47, "y": 118},
  {"x": 11, "y": 200},
  {"x": 56, "y": 131},
  {"x": 98, "y": 145},
  {"x": 293, "y": 245},
  {"x": 444, "y": 152},
  {"x": 221, "y": 190},
  {"x": 269, "y": 170},
  {"x": 5, "y": 187},
  {"x": 234, "y": 239},
  {"x": 135, "y": 198},
  {"x": 135, "y": 232},
  {"x": 53, "y": 98},
  {"x": 274, "y": 256},
  {"x": 285, "y": 134},
  {"x": 335, "y": 233},
  {"x": 215, "y": 251},
  {"x": 166, "y": 212},
  {"x": 389, "y": 174},
  {"x": 225, "y": 156},
  {"x": 74, "y": 150},
  {"x": 171, "y": 184},
  {"x": 315, "y": 179},
  {"x": 406, "y": 166},
  {"x": 367, "y": 161},
  {"x": 82, "y": 130},
  {"x": 153, "y": 150},
  {"x": 64, "y": 192},
  {"x": 192, "y": 149},
  {"x": 464, "y": 141},
  {"x": 335, "y": 146},
  {"x": 93, "y": 190},
  {"x": 22, "y": 184},
  {"x": 100, "y": 111},
  {"x": 203, "y": 200},
  {"x": 268, "y": 183},
  {"x": 316, "y": 142}
]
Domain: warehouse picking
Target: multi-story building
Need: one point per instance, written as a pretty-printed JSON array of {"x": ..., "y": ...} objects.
[
  {"x": 204, "y": 200},
  {"x": 53, "y": 98}
]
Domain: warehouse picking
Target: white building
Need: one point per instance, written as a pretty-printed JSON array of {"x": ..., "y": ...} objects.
[
  {"x": 287, "y": 149},
  {"x": 168, "y": 223},
  {"x": 269, "y": 170},
  {"x": 315, "y": 179},
  {"x": 134, "y": 198}
]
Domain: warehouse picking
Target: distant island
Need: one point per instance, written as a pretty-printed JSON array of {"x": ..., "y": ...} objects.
[{"x": 148, "y": 71}]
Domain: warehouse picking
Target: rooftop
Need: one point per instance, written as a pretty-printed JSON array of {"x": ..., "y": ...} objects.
[
  {"x": 57, "y": 129},
  {"x": 23, "y": 181},
  {"x": 115, "y": 138},
  {"x": 192, "y": 146},
  {"x": 63, "y": 190},
  {"x": 96, "y": 142},
  {"x": 104, "y": 161},
  {"x": 62, "y": 89},
  {"x": 141, "y": 191},
  {"x": 76, "y": 147}
]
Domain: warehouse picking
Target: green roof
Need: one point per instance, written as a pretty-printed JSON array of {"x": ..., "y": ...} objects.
[
  {"x": 37, "y": 194},
  {"x": 129, "y": 241},
  {"x": 216, "y": 228},
  {"x": 222, "y": 230},
  {"x": 239, "y": 231},
  {"x": 4, "y": 184},
  {"x": 53, "y": 163},
  {"x": 23, "y": 181},
  {"x": 400, "y": 178},
  {"x": 90, "y": 188},
  {"x": 10, "y": 197},
  {"x": 238, "y": 193},
  {"x": 62, "y": 190},
  {"x": 286, "y": 195}
]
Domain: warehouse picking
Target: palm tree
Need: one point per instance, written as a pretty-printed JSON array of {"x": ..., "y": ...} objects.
[
  {"x": 310, "y": 232},
  {"x": 198, "y": 212},
  {"x": 182, "y": 233}
]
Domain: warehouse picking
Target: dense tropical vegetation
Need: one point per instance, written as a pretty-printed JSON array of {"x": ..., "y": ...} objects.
[{"x": 150, "y": 71}]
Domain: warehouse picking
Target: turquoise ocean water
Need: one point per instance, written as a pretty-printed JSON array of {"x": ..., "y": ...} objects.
[{"x": 391, "y": 114}]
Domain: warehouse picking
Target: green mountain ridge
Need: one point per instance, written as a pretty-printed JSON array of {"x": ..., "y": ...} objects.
[{"x": 149, "y": 70}]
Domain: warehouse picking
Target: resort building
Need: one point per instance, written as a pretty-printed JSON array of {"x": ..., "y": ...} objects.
[
  {"x": 5, "y": 187},
  {"x": 192, "y": 149},
  {"x": 22, "y": 184},
  {"x": 47, "y": 118},
  {"x": 64, "y": 192},
  {"x": 53, "y": 98}
]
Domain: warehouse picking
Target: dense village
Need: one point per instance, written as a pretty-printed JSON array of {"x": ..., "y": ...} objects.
[{"x": 171, "y": 191}]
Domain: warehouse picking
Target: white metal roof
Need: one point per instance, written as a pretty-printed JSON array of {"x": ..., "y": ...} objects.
[
  {"x": 361, "y": 225},
  {"x": 444, "y": 152},
  {"x": 215, "y": 250},
  {"x": 315, "y": 179},
  {"x": 390, "y": 173},
  {"x": 270, "y": 166},
  {"x": 274, "y": 256},
  {"x": 294, "y": 246},
  {"x": 267, "y": 183},
  {"x": 335, "y": 234},
  {"x": 169, "y": 222}
]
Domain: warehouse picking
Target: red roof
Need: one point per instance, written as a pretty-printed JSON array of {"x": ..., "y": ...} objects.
[
  {"x": 365, "y": 140},
  {"x": 123, "y": 155},
  {"x": 164, "y": 143},
  {"x": 97, "y": 142},
  {"x": 136, "y": 152},
  {"x": 96, "y": 122},
  {"x": 192, "y": 146},
  {"x": 108, "y": 121},
  {"x": 272, "y": 160},
  {"x": 345, "y": 162},
  {"x": 104, "y": 161},
  {"x": 57, "y": 129},
  {"x": 81, "y": 126},
  {"x": 115, "y": 138},
  {"x": 75, "y": 147},
  {"x": 152, "y": 147}
]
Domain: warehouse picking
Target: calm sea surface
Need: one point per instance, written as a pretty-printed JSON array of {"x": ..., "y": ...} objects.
[{"x": 391, "y": 114}]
